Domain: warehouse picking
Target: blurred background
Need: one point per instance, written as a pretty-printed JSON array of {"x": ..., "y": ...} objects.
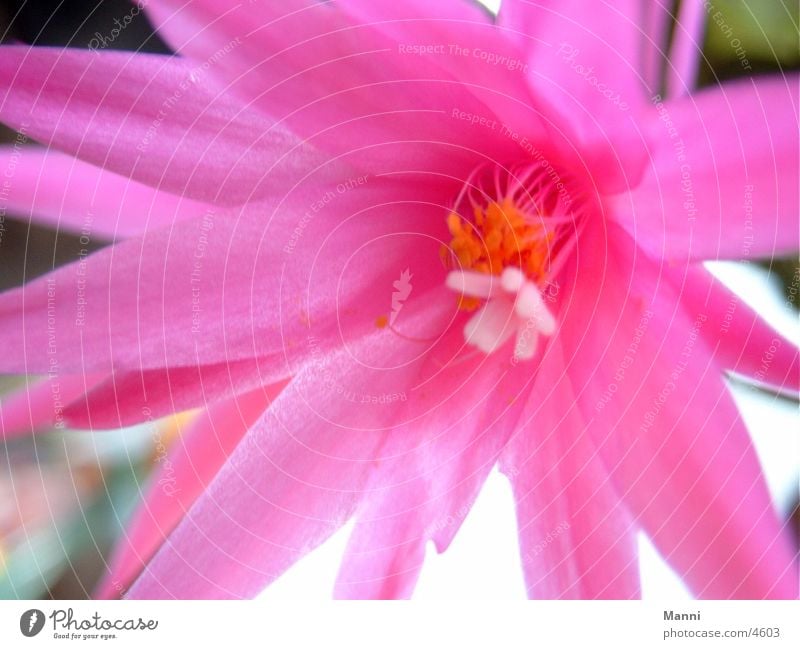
[{"x": 66, "y": 495}]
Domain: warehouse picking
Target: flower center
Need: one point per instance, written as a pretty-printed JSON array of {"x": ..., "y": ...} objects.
[{"x": 508, "y": 239}]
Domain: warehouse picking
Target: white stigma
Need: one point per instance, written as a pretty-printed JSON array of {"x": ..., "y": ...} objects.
[{"x": 514, "y": 306}]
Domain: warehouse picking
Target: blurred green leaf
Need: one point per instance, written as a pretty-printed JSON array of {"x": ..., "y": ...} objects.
[
  {"x": 787, "y": 270},
  {"x": 766, "y": 31},
  {"x": 31, "y": 569}
]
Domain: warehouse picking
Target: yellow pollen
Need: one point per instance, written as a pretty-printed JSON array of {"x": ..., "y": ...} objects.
[
  {"x": 502, "y": 235},
  {"x": 381, "y": 321}
]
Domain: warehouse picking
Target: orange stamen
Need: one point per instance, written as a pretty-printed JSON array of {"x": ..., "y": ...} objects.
[{"x": 501, "y": 235}]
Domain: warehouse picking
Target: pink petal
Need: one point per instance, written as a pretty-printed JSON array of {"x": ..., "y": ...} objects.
[
  {"x": 159, "y": 120},
  {"x": 586, "y": 60},
  {"x": 384, "y": 556},
  {"x": 135, "y": 396},
  {"x": 404, "y": 18},
  {"x": 432, "y": 468},
  {"x": 317, "y": 264},
  {"x": 338, "y": 82},
  {"x": 57, "y": 190},
  {"x": 577, "y": 538},
  {"x": 656, "y": 24},
  {"x": 667, "y": 429},
  {"x": 687, "y": 48},
  {"x": 613, "y": 154},
  {"x": 467, "y": 35},
  {"x": 742, "y": 340},
  {"x": 723, "y": 178},
  {"x": 297, "y": 475},
  {"x": 41, "y": 404},
  {"x": 604, "y": 35},
  {"x": 185, "y": 472}
]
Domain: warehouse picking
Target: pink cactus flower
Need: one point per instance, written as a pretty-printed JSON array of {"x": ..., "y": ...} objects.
[{"x": 386, "y": 246}]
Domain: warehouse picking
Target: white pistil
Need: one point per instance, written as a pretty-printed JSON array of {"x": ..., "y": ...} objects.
[
  {"x": 526, "y": 343},
  {"x": 518, "y": 309},
  {"x": 531, "y": 306},
  {"x": 492, "y": 325},
  {"x": 512, "y": 279},
  {"x": 478, "y": 285}
]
